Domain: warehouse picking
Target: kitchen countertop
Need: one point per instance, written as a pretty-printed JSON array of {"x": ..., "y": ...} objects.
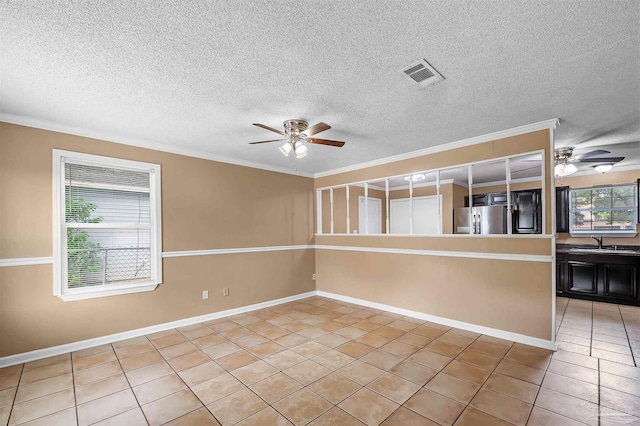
[{"x": 591, "y": 249}]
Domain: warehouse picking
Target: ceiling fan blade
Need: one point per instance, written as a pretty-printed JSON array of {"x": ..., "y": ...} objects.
[
  {"x": 317, "y": 128},
  {"x": 591, "y": 154},
  {"x": 601, "y": 160},
  {"x": 269, "y": 128},
  {"x": 274, "y": 140},
  {"x": 326, "y": 142}
]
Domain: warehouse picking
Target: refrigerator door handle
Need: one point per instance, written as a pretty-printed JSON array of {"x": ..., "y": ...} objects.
[
  {"x": 479, "y": 224},
  {"x": 473, "y": 224}
]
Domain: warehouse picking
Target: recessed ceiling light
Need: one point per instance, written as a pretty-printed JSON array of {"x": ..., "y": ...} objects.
[{"x": 417, "y": 177}]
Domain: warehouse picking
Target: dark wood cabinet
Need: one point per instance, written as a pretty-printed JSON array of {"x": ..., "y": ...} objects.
[
  {"x": 562, "y": 208},
  {"x": 607, "y": 278},
  {"x": 561, "y": 273},
  {"x": 620, "y": 281},
  {"x": 582, "y": 277},
  {"x": 527, "y": 212}
]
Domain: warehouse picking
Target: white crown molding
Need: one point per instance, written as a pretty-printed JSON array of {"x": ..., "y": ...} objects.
[
  {"x": 542, "y": 125},
  {"x": 140, "y": 143},
  {"x": 25, "y": 261},
  {"x": 168, "y": 254},
  {"x": 443, "y": 253},
  {"x": 501, "y": 334},
  {"x": 89, "y": 343}
]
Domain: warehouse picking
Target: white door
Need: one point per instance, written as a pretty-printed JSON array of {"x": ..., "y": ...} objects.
[
  {"x": 373, "y": 216},
  {"x": 426, "y": 216}
]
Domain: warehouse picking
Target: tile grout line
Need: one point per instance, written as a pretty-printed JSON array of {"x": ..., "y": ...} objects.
[
  {"x": 129, "y": 383},
  {"x": 624, "y": 324},
  {"x": 181, "y": 379},
  {"x": 599, "y": 390},
  {"x": 591, "y": 342},
  {"x": 13, "y": 404},
  {"x": 73, "y": 383},
  {"x": 480, "y": 385}
]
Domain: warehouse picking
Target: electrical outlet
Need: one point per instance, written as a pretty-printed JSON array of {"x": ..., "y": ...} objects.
[
  {"x": 205, "y": 294},
  {"x": 313, "y": 277},
  {"x": 225, "y": 291}
]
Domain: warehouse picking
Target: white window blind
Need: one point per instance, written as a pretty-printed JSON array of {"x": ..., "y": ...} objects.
[{"x": 109, "y": 226}]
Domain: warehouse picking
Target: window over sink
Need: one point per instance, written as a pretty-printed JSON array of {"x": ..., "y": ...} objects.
[{"x": 606, "y": 210}]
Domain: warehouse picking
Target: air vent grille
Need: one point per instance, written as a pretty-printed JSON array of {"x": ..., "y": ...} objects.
[{"x": 422, "y": 73}]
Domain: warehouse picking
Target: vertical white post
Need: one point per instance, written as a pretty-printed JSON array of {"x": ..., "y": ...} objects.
[
  {"x": 552, "y": 185},
  {"x": 386, "y": 191},
  {"x": 411, "y": 206},
  {"x": 509, "y": 214},
  {"x": 470, "y": 178},
  {"x": 319, "y": 211},
  {"x": 331, "y": 203},
  {"x": 348, "y": 213},
  {"x": 366, "y": 207},
  {"x": 439, "y": 198}
]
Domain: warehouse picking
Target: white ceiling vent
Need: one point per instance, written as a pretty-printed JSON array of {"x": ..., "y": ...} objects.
[{"x": 422, "y": 73}]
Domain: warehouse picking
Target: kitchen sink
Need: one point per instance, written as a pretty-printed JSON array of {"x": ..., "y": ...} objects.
[{"x": 601, "y": 251}]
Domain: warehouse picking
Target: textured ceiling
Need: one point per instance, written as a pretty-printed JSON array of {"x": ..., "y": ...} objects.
[{"x": 194, "y": 75}]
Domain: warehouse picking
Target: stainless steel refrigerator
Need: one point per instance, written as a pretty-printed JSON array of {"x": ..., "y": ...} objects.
[{"x": 480, "y": 220}]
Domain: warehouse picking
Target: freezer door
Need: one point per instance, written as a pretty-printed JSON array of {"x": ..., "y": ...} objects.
[
  {"x": 490, "y": 220},
  {"x": 463, "y": 221}
]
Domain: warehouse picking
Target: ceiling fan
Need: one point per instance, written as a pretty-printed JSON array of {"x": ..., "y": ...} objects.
[
  {"x": 564, "y": 158},
  {"x": 296, "y": 133}
]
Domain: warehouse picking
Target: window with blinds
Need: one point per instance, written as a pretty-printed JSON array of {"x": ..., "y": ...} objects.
[
  {"x": 109, "y": 216},
  {"x": 610, "y": 209}
]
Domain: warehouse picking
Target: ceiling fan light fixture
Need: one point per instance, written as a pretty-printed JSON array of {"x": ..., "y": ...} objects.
[
  {"x": 285, "y": 149},
  {"x": 565, "y": 169},
  {"x": 300, "y": 150},
  {"x": 603, "y": 168}
]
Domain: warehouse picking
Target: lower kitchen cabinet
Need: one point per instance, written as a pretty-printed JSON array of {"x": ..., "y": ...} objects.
[
  {"x": 583, "y": 277},
  {"x": 606, "y": 278}
]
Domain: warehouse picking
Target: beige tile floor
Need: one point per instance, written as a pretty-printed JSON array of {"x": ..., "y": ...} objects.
[
  {"x": 601, "y": 330},
  {"x": 321, "y": 362}
]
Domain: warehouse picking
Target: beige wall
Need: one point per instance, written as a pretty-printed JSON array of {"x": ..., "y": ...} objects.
[
  {"x": 510, "y": 295},
  {"x": 596, "y": 179},
  {"x": 205, "y": 205},
  {"x": 503, "y": 294}
]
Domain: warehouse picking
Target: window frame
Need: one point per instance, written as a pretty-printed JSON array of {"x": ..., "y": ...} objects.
[
  {"x": 603, "y": 232},
  {"x": 60, "y": 285}
]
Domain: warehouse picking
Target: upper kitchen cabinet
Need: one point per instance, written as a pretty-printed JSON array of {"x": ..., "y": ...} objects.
[
  {"x": 527, "y": 212},
  {"x": 525, "y": 173},
  {"x": 563, "y": 194}
]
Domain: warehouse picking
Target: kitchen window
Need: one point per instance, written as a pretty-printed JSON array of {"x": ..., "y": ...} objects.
[
  {"x": 605, "y": 211},
  {"x": 107, "y": 226}
]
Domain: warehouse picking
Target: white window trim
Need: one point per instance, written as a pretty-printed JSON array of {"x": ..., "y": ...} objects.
[
  {"x": 59, "y": 250},
  {"x": 608, "y": 233}
]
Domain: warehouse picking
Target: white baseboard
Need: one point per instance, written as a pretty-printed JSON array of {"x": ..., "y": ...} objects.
[
  {"x": 84, "y": 344},
  {"x": 507, "y": 335}
]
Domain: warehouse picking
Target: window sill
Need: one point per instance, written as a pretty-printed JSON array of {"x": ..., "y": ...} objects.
[
  {"x": 629, "y": 234},
  {"x": 92, "y": 293}
]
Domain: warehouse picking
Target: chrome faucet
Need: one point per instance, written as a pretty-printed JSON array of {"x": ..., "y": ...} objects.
[{"x": 599, "y": 240}]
